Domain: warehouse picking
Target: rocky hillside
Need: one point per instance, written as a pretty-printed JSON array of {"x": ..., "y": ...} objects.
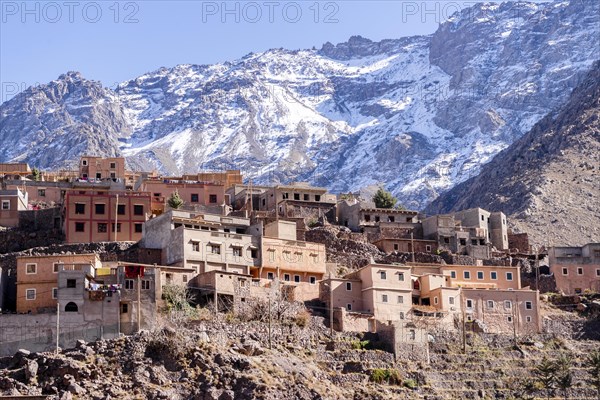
[
  {"x": 226, "y": 359},
  {"x": 548, "y": 181},
  {"x": 419, "y": 114}
]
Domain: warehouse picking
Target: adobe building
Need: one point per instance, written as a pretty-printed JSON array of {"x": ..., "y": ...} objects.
[
  {"x": 37, "y": 279},
  {"x": 103, "y": 216},
  {"x": 296, "y": 264},
  {"x": 100, "y": 168},
  {"x": 360, "y": 215},
  {"x": 41, "y": 192},
  {"x": 193, "y": 193},
  {"x": 11, "y": 203},
  {"x": 14, "y": 170},
  {"x": 226, "y": 178},
  {"x": 204, "y": 242},
  {"x": 298, "y": 191},
  {"x": 493, "y": 225},
  {"x": 576, "y": 269}
]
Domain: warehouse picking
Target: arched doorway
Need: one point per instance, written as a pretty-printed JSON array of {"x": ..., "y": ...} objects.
[{"x": 71, "y": 307}]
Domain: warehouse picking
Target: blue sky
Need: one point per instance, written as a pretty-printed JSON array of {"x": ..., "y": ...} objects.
[{"x": 114, "y": 41}]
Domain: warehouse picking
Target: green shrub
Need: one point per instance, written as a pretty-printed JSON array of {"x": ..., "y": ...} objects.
[
  {"x": 410, "y": 383},
  {"x": 359, "y": 344},
  {"x": 386, "y": 375}
]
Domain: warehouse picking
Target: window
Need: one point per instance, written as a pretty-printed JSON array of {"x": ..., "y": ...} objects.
[
  {"x": 367, "y": 218},
  {"x": 30, "y": 294},
  {"x": 102, "y": 227},
  {"x": 579, "y": 271},
  {"x": 401, "y": 276},
  {"x": 598, "y": 272},
  {"x": 56, "y": 267},
  {"x": 317, "y": 197},
  {"x": 428, "y": 247},
  {"x": 451, "y": 300},
  {"x": 79, "y": 208},
  {"x": 138, "y": 209},
  {"x": 377, "y": 219},
  {"x": 482, "y": 218},
  {"x": 30, "y": 269},
  {"x": 401, "y": 315},
  {"x": 285, "y": 196},
  {"x": 467, "y": 274},
  {"x": 145, "y": 284},
  {"x": 6, "y": 204},
  {"x": 138, "y": 228},
  {"x": 509, "y": 319},
  {"x": 124, "y": 308},
  {"x": 215, "y": 249},
  {"x": 237, "y": 251},
  {"x": 312, "y": 280},
  {"x": 98, "y": 175},
  {"x": 469, "y": 303},
  {"x": 157, "y": 194},
  {"x": 509, "y": 276},
  {"x": 349, "y": 307},
  {"x": 384, "y": 298},
  {"x": 71, "y": 307},
  {"x": 254, "y": 253},
  {"x": 79, "y": 226},
  {"x": 55, "y": 293},
  {"x": 194, "y": 198},
  {"x": 129, "y": 284},
  {"x": 196, "y": 246},
  {"x": 453, "y": 274},
  {"x": 100, "y": 209},
  {"x": 396, "y": 246},
  {"x": 42, "y": 192},
  {"x": 490, "y": 303},
  {"x": 528, "y": 318},
  {"x": 118, "y": 227},
  {"x": 121, "y": 209},
  {"x": 287, "y": 277},
  {"x": 565, "y": 271},
  {"x": 71, "y": 283},
  {"x": 84, "y": 162},
  {"x": 435, "y": 300},
  {"x": 474, "y": 242},
  {"x": 382, "y": 275},
  {"x": 113, "y": 165},
  {"x": 297, "y": 278},
  {"x": 494, "y": 275},
  {"x": 184, "y": 278},
  {"x": 306, "y": 197},
  {"x": 348, "y": 286},
  {"x": 296, "y": 196},
  {"x": 270, "y": 276},
  {"x": 463, "y": 242},
  {"x": 446, "y": 240},
  {"x": 391, "y": 218},
  {"x": 507, "y": 304},
  {"x": 528, "y": 305}
]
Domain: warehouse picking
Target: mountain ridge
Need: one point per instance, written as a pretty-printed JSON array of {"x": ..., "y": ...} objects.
[{"x": 417, "y": 114}]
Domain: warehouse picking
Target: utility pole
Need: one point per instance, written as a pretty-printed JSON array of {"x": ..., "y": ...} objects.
[
  {"x": 464, "y": 325},
  {"x": 57, "y": 324},
  {"x": 139, "y": 303},
  {"x": 330, "y": 306},
  {"x": 116, "y": 216},
  {"x": 412, "y": 245},
  {"x": 270, "y": 321}
]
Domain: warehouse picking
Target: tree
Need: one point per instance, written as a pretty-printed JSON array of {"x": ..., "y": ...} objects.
[
  {"x": 384, "y": 199},
  {"x": 545, "y": 373},
  {"x": 593, "y": 362},
  {"x": 175, "y": 201},
  {"x": 564, "y": 376},
  {"x": 36, "y": 174}
]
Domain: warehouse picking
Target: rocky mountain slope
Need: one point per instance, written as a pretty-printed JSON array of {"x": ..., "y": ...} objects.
[
  {"x": 419, "y": 114},
  {"x": 548, "y": 182}
]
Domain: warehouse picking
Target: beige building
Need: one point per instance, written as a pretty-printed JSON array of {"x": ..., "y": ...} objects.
[
  {"x": 576, "y": 269},
  {"x": 11, "y": 202},
  {"x": 37, "y": 279},
  {"x": 14, "y": 170},
  {"x": 294, "y": 263},
  {"x": 48, "y": 193},
  {"x": 298, "y": 191},
  {"x": 358, "y": 215},
  {"x": 100, "y": 168},
  {"x": 191, "y": 192}
]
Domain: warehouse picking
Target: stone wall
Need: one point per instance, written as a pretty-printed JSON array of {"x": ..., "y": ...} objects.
[
  {"x": 47, "y": 219},
  {"x": 38, "y": 332}
]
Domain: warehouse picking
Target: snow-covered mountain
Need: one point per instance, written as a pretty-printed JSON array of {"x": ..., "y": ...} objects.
[{"x": 419, "y": 114}]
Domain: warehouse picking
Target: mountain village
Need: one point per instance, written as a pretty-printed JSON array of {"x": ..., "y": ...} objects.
[{"x": 229, "y": 245}]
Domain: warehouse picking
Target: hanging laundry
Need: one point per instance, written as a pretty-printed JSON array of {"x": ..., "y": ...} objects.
[{"x": 133, "y": 271}]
